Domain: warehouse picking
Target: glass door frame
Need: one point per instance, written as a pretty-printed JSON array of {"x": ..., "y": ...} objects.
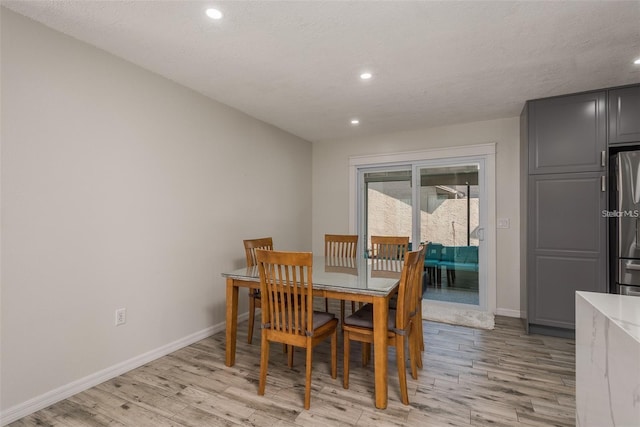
[{"x": 456, "y": 154}]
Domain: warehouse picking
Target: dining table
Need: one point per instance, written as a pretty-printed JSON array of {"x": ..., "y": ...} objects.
[{"x": 362, "y": 280}]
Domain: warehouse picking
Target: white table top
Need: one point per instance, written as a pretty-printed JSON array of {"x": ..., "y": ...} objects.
[
  {"x": 623, "y": 310},
  {"x": 360, "y": 276}
]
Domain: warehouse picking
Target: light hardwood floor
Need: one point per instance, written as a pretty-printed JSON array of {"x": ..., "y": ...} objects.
[{"x": 471, "y": 377}]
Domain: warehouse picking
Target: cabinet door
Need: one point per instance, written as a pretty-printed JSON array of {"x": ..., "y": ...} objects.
[
  {"x": 624, "y": 115},
  {"x": 567, "y": 244},
  {"x": 568, "y": 134}
]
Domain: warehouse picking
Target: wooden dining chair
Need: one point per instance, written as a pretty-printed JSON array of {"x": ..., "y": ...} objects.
[
  {"x": 339, "y": 247},
  {"x": 389, "y": 247},
  {"x": 417, "y": 330},
  {"x": 359, "y": 326},
  {"x": 286, "y": 284},
  {"x": 250, "y": 247}
]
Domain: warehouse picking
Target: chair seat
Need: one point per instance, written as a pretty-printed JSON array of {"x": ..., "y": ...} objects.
[
  {"x": 363, "y": 318},
  {"x": 320, "y": 318}
]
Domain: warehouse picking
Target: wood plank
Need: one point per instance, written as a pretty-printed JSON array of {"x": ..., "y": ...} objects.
[{"x": 499, "y": 377}]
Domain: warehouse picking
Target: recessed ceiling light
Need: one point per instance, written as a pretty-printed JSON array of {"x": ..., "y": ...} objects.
[
  {"x": 366, "y": 76},
  {"x": 355, "y": 122},
  {"x": 637, "y": 61},
  {"x": 214, "y": 13}
]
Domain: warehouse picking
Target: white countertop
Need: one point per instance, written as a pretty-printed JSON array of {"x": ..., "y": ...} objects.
[{"x": 623, "y": 310}]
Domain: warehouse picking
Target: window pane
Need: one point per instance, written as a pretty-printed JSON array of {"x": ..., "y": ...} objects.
[{"x": 388, "y": 204}]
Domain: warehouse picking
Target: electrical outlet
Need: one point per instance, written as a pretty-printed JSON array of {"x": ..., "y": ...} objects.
[{"x": 121, "y": 316}]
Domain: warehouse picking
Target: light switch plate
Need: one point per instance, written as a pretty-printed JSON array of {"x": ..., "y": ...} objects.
[{"x": 504, "y": 223}]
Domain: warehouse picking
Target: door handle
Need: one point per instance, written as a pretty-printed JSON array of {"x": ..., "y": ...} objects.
[
  {"x": 631, "y": 266},
  {"x": 481, "y": 234},
  {"x": 603, "y": 158},
  {"x": 603, "y": 183}
]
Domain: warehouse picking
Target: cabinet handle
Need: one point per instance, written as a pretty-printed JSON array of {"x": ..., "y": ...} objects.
[
  {"x": 603, "y": 159},
  {"x": 603, "y": 183}
]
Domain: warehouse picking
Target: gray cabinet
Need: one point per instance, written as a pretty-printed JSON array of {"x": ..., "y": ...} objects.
[
  {"x": 567, "y": 244},
  {"x": 624, "y": 115},
  {"x": 568, "y": 134},
  {"x": 564, "y": 149}
]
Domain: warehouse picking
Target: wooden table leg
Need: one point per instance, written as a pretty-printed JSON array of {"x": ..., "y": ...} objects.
[
  {"x": 232, "y": 322},
  {"x": 380, "y": 313}
]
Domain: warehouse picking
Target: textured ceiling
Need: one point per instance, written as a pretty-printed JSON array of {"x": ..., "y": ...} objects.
[{"x": 295, "y": 64}]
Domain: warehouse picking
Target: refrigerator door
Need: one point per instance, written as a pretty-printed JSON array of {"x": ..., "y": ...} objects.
[
  {"x": 630, "y": 290},
  {"x": 628, "y": 177},
  {"x": 628, "y": 237},
  {"x": 629, "y": 272}
]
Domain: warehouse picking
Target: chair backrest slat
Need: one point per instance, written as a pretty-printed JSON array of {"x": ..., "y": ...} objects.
[
  {"x": 411, "y": 274},
  {"x": 419, "y": 277},
  {"x": 389, "y": 247},
  {"x": 340, "y": 245},
  {"x": 286, "y": 280},
  {"x": 251, "y": 245}
]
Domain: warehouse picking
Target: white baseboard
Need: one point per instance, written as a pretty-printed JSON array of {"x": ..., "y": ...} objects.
[
  {"x": 508, "y": 312},
  {"x": 49, "y": 398}
]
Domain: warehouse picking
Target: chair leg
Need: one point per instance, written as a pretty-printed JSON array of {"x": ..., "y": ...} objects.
[
  {"x": 414, "y": 352},
  {"x": 252, "y": 314},
  {"x": 345, "y": 365},
  {"x": 353, "y": 307},
  {"x": 290, "y": 356},
  {"x": 326, "y": 305},
  {"x": 366, "y": 353},
  {"x": 418, "y": 339},
  {"x": 334, "y": 354},
  {"x": 401, "y": 358},
  {"x": 420, "y": 330},
  {"x": 264, "y": 362},
  {"x": 307, "y": 387},
  {"x": 417, "y": 334}
]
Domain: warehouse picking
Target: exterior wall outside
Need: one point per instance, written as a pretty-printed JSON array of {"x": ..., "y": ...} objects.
[{"x": 445, "y": 224}]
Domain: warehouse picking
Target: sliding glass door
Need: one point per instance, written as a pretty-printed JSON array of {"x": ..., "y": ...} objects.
[
  {"x": 449, "y": 198},
  {"x": 438, "y": 203}
]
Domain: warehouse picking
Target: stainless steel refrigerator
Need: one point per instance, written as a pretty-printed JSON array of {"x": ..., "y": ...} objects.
[{"x": 628, "y": 220}]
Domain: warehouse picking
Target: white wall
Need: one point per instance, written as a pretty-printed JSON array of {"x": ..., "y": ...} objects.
[
  {"x": 331, "y": 192},
  {"x": 123, "y": 189}
]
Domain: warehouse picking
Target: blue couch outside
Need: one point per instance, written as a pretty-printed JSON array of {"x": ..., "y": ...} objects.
[{"x": 463, "y": 258}]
